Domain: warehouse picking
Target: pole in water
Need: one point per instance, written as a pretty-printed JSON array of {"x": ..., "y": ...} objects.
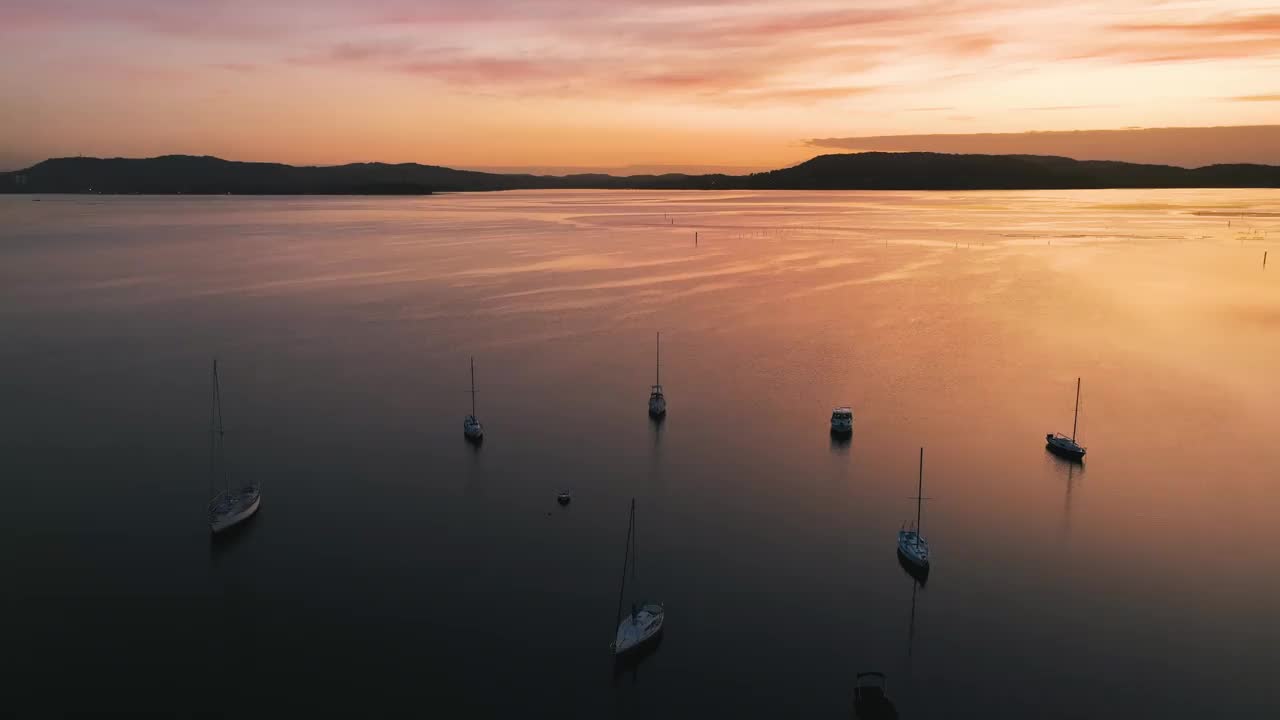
[
  {"x": 695, "y": 239},
  {"x": 1264, "y": 258}
]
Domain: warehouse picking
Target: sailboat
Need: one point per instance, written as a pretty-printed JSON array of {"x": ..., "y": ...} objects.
[
  {"x": 1060, "y": 444},
  {"x": 644, "y": 623},
  {"x": 229, "y": 506},
  {"x": 471, "y": 427},
  {"x": 657, "y": 401},
  {"x": 912, "y": 547}
]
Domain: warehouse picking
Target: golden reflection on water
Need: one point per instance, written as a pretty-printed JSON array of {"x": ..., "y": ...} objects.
[{"x": 957, "y": 321}]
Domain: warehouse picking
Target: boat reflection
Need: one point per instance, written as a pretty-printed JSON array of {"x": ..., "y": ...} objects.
[
  {"x": 629, "y": 663},
  {"x": 1073, "y": 468},
  {"x": 919, "y": 574},
  {"x": 871, "y": 697},
  {"x": 840, "y": 443},
  {"x": 224, "y": 542}
]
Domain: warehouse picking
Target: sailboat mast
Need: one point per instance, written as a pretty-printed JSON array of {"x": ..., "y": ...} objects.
[
  {"x": 919, "y": 492},
  {"x": 625, "y": 558},
  {"x": 473, "y": 386},
  {"x": 657, "y": 360},
  {"x": 213, "y": 424},
  {"x": 217, "y": 409},
  {"x": 1076, "y": 420}
]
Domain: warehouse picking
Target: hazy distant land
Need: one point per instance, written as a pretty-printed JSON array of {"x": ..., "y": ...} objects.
[{"x": 186, "y": 174}]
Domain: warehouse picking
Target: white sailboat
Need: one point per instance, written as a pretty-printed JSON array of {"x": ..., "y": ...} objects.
[
  {"x": 657, "y": 401},
  {"x": 229, "y": 506},
  {"x": 644, "y": 623},
  {"x": 1060, "y": 444},
  {"x": 471, "y": 427},
  {"x": 912, "y": 546}
]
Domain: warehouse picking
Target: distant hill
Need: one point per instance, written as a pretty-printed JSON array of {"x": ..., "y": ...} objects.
[{"x": 202, "y": 175}]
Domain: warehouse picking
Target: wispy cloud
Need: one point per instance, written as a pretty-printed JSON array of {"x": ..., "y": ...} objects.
[
  {"x": 1228, "y": 24},
  {"x": 1219, "y": 36},
  {"x": 1054, "y": 108},
  {"x": 758, "y": 68}
]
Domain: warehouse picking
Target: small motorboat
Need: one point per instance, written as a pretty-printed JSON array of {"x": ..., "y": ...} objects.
[
  {"x": 563, "y": 497},
  {"x": 871, "y": 697},
  {"x": 1064, "y": 446},
  {"x": 842, "y": 421}
]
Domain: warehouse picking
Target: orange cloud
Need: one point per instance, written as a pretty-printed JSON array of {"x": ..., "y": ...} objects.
[{"x": 672, "y": 77}]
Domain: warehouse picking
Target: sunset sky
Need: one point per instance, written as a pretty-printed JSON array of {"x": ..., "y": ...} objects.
[{"x": 614, "y": 83}]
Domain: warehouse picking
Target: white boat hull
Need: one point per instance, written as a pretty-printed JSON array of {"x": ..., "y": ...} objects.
[
  {"x": 913, "y": 549},
  {"x": 657, "y": 406},
  {"x": 639, "y": 628},
  {"x": 472, "y": 429},
  {"x": 225, "y": 515}
]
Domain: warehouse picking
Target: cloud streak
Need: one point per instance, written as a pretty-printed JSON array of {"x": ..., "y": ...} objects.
[{"x": 746, "y": 69}]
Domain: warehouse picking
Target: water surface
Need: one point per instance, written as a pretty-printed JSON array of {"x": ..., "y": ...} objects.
[{"x": 394, "y": 564}]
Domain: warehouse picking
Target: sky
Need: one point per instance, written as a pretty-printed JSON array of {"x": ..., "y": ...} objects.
[{"x": 688, "y": 84}]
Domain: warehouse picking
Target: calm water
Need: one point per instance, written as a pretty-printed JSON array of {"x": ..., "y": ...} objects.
[{"x": 394, "y": 564}]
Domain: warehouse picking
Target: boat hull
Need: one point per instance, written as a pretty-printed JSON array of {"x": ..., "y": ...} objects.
[
  {"x": 639, "y": 630},
  {"x": 870, "y": 698},
  {"x": 842, "y": 421},
  {"x": 472, "y": 430},
  {"x": 1063, "y": 449},
  {"x": 657, "y": 407},
  {"x": 914, "y": 553},
  {"x": 221, "y": 522}
]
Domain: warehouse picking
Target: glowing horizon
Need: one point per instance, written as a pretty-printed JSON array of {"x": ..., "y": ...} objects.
[{"x": 593, "y": 84}]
